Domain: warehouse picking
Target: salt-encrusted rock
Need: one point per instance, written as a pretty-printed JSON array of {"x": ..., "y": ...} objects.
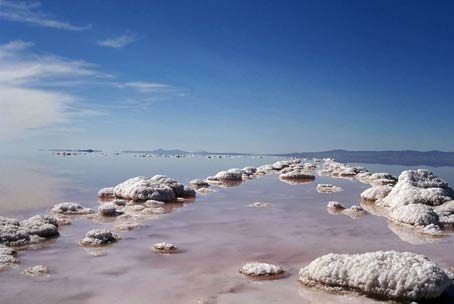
[
  {"x": 328, "y": 188},
  {"x": 109, "y": 209},
  {"x": 249, "y": 170},
  {"x": 229, "y": 176},
  {"x": 309, "y": 166},
  {"x": 144, "y": 188},
  {"x": 63, "y": 221},
  {"x": 418, "y": 187},
  {"x": 106, "y": 192},
  {"x": 7, "y": 256},
  {"x": 354, "y": 212},
  {"x": 37, "y": 270},
  {"x": 335, "y": 205},
  {"x": 188, "y": 192},
  {"x": 376, "y": 192},
  {"x": 279, "y": 165},
  {"x": 205, "y": 190},
  {"x": 165, "y": 247},
  {"x": 127, "y": 225},
  {"x": 71, "y": 208},
  {"x": 99, "y": 237},
  {"x": 170, "y": 182},
  {"x": 36, "y": 229},
  {"x": 380, "y": 179},
  {"x": 199, "y": 183},
  {"x": 297, "y": 175},
  {"x": 363, "y": 177},
  {"x": 331, "y": 167},
  {"x": 260, "y": 205},
  {"x": 414, "y": 214},
  {"x": 445, "y": 214},
  {"x": 261, "y": 270},
  {"x": 265, "y": 169},
  {"x": 389, "y": 275}
]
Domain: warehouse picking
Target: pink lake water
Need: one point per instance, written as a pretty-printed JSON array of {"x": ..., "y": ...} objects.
[{"x": 217, "y": 234}]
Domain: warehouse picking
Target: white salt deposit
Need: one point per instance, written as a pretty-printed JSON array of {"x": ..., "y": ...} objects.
[
  {"x": 257, "y": 269},
  {"x": 99, "y": 237},
  {"x": 390, "y": 275}
]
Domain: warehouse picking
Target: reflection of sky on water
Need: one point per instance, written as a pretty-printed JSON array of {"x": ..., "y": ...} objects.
[{"x": 217, "y": 234}]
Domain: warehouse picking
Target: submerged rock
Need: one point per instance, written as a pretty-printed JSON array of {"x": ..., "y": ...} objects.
[
  {"x": 261, "y": 270},
  {"x": 37, "y": 270},
  {"x": 165, "y": 247},
  {"x": 335, "y": 205},
  {"x": 260, "y": 205},
  {"x": 328, "y": 188},
  {"x": 389, "y": 275},
  {"x": 99, "y": 237},
  {"x": 36, "y": 229},
  {"x": 71, "y": 208}
]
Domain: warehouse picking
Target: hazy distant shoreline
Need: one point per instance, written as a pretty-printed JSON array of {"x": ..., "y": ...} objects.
[{"x": 404, "y": 157}]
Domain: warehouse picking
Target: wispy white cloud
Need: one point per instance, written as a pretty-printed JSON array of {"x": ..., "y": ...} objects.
[
  {"x": 44, "y": 92},
  {"x": 118, "y": 42},
  {"x": 147, "y": 87},
  {"x": 24, "y": 104},
  {"x": 29, "y": 12}
]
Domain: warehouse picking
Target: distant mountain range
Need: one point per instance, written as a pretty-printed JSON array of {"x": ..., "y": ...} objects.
[
  {"x": 180, "y": 152},
  {"x": 74, "y": 150},
  {"x": 405, "y": 157}
]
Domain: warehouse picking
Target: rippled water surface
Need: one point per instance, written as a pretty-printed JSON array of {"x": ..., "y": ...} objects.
[{"x": 217, "y": 234}]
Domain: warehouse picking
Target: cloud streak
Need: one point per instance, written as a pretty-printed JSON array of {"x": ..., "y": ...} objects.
[
  {"x": 24, "y": 104},
  {"x": 29, "y": 12},
  {"x": 147, "y": 87},
  {"x": 118, "y": 42}
]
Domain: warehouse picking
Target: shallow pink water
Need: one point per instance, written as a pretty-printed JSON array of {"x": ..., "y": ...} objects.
[{"x": 217, "y": 234}]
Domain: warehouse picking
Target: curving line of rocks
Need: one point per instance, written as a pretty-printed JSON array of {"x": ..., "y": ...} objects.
[{"x": 416, "y": 198}]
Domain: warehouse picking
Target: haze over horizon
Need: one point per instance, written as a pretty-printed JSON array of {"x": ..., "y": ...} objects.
[{"x": 246, "y": 76}]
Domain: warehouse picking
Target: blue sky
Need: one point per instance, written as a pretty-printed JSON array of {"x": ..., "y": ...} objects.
[{"x": 250, "y": 76}]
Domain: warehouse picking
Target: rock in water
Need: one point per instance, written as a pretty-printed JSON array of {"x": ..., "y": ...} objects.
[
  {"x": 36, "y": 229},
  {"x": 376, "y": 192},
  {"x": 328, "y": 188},
  {"x": 261, "y": 270},
  {"x": 37, "y": 270},
  {"x": 71, "y": 208},
  {"x": 99, "y": 237},
  {"x": 106, "y": 192},
  {"x": 7, "y": 256},
  {"x": 165, "y": 247},
  {"x": 389, "y": 275},
  {"x": 229, "y": 176},
  {"x": 297, "y": 174},
  {"x": 418, "y": 187},
  {"x": 159, "y": 188}
]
